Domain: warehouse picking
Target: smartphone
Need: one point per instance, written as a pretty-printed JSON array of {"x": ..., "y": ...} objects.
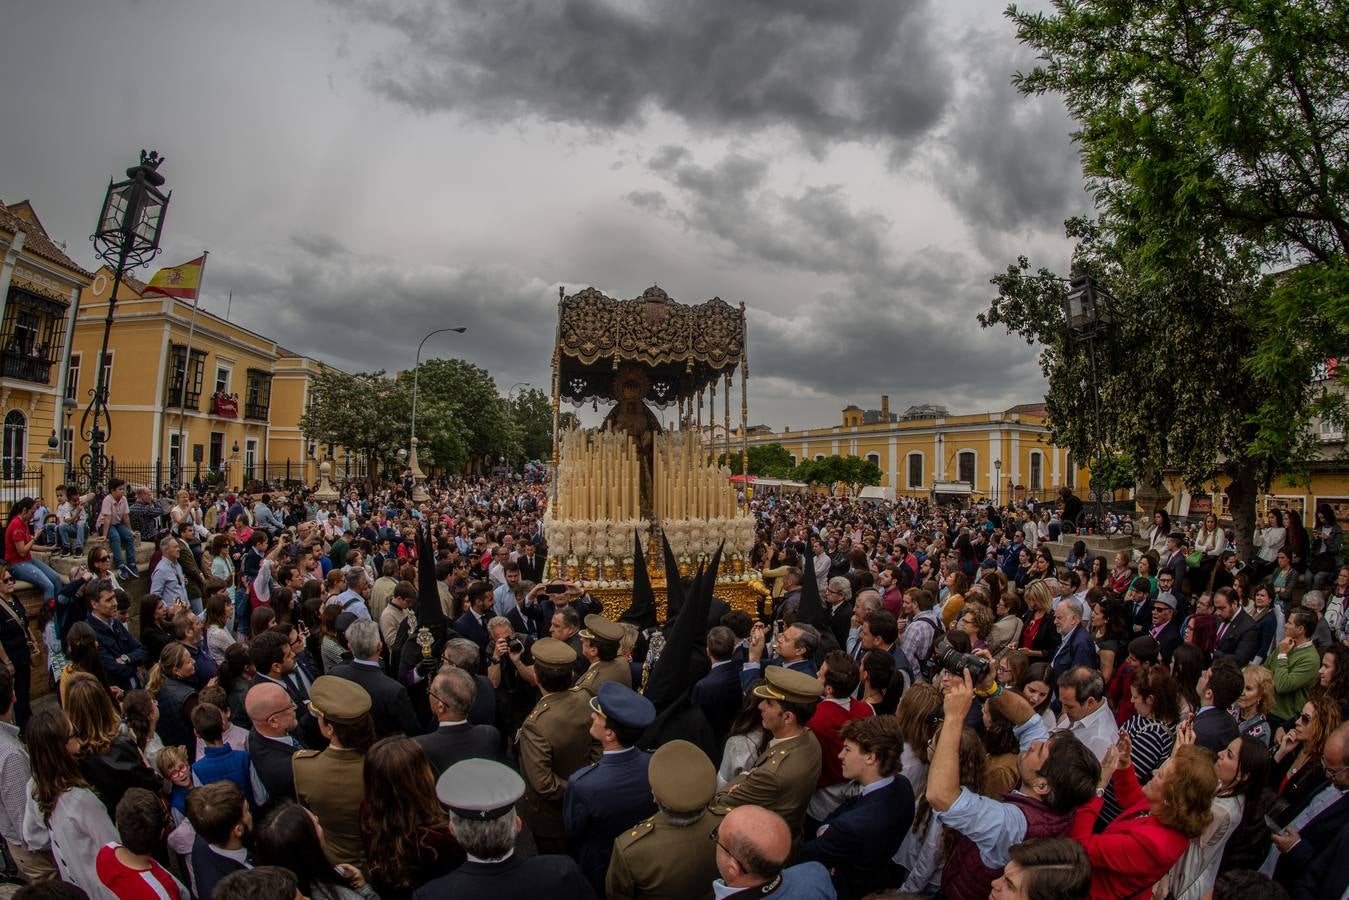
[
  {"x": 555, "y": 589},
  {"x": 1274, "y": 826}
]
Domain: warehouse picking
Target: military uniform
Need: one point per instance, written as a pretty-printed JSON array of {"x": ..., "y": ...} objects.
[
  {"x": 553, "y": 743},
  {"x": 657, "y": 860},
  {"x": 784, "y": 776},
  {"x": 331, "y": 783},
  {"x": 600, "y": 630}
]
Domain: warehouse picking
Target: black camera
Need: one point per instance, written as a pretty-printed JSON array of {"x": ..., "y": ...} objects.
[
  {"x": 515, "y": 645},
  {"x": 955, "y": 662}
]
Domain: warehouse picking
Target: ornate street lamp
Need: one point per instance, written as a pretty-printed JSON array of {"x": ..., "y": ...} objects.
[
  {"x": 127, "y": 237},
  {"x": 419, "y": 494},
  {"x": 997, "y": 482},
  {"x": 1087, "y": 311}
]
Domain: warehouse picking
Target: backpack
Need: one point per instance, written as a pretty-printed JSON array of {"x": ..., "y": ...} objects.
[{"x": 928, "y": 666}]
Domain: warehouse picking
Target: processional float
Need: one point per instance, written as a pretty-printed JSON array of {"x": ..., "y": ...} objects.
[{"x": 631, "y": 474}]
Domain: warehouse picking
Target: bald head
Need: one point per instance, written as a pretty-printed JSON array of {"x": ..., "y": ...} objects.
[
  {"x": 754, "y": 846},
  {"x": 270, "y": 709},
  {"x": 1336, "y": 756}
]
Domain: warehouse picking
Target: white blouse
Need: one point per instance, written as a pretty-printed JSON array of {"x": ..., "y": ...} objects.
[{"x": 78, "y": 828}]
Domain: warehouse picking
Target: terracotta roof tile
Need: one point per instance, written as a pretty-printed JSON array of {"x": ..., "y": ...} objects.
[{"x": 22, "y": 217}]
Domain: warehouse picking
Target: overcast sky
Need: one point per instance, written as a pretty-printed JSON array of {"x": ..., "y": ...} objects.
[{"x": 364, "y": 171}]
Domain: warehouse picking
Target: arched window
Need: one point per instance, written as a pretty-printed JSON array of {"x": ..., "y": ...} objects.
[
  {"x": 1037, "y": 471},
  {"x": 16, "y": 442},
  {"x": 915, "y": 470},
  {"x": 819, "y": 456},
  {"x": 966, "y": 463},
  {"x": 874, "y": 457}
]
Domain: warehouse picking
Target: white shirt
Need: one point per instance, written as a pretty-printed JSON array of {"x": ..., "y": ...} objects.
[{"x": 1096, "y": 730}]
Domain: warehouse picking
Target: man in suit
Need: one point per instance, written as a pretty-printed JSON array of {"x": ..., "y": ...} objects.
[
  {"x": 481, "y": 796},
  {"x": 1165, "y": 625},
  {"x": 473, "y": 623},
  {"x": 795, "y": 645},
  {"x": 753, "y": 845},
  {"x": 526, "y": 616},
  {"x": 1214, "y": 726},
  {"x": 120, "y": 653},
  {"x": 270, "y": 745},
  {"x": 718, "y": 693},
  {"x": 531, "y": 563},
  {"x": 784, "y": 776},
  {"x": 1076, "y": 647},
  {"x": 608, "y": 797},
  {"x": 1320, "y": 822},
  {"x": 1138, "y": 606},
  {"x": 1238, "y": 633},
  {"x": 391, "y": 708},
  {"x": 838, "y": 608},
  {"x": 858, "y": 839},
  {"x": 669, "y": 855},
  {"x": 1173, "y": 560},
  {"x": 1327, "y": 878},
  {"x": 452, "y": 695}
]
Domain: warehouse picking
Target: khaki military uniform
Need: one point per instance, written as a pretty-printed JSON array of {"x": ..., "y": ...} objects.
[
  {"x": 655, "y": 860},
  {"x": 331, "y": 784},
  {"x": 782, "y": 779},
  {"x": 600, "y": 671},
  {"x": 553, "y": 743}
]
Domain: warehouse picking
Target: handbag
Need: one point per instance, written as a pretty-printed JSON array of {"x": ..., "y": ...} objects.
[
  {"x": 1195, "y": 559},
  {"x": 35, "y": 653}
]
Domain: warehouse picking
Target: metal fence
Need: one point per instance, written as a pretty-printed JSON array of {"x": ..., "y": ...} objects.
[{"x": 28, "y": 484}]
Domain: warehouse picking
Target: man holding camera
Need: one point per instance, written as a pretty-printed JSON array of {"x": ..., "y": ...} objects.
[
  {"x": 795, "y": 646},
  {"x": 1057, "y": 774}
]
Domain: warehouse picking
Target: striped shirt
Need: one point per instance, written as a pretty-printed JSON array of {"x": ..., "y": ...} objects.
[{"x": 1152, "y": 743}]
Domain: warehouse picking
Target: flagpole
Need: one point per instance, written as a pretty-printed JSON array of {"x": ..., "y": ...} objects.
[{"x": 187, "y": 367}]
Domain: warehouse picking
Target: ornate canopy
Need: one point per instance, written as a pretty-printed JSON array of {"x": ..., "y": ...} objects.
[{"x": 681, "y": 349}]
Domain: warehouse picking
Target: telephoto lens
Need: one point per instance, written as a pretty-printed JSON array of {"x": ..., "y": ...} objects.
[{"x": 955, "y": 662}]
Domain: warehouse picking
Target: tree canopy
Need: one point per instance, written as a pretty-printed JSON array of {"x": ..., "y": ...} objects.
[
  {"x": 831, "y": 469},
  {"x": 765, "y": 460}
]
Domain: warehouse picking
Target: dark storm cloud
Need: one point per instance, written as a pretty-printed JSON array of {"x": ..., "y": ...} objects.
[{"x": 841, "y": 70}]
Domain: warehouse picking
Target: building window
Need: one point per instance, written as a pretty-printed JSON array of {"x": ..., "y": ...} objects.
[
  {"x": 965, "y": 466},
  {"x": 222, "y": 379},
  {"x": 217, "y": 457},
  {"x": 68, "y": 444},
  {"x": 107, "y": 373},
  {"x": 30, "y": 336},
  {"x": 819, "y": 456},
  {"x": 1037, "y": 470},
  {"x": 250, "y": 458},
  {"x": 73, "y": 378},
  {"x": 187, "y": 396},
  {"x": 15, "y": 446},
  {"x": 175, "y": 457},
  {"x": 259, "y": 396},
  {"x": 874, "y": 457},
  {"x": 915, "y": 470}
]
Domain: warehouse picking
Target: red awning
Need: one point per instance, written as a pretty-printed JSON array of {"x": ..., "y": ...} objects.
[{"x": 737, "y": 479}]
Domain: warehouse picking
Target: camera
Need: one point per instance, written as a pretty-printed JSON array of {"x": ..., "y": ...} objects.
[
  {"x": 515, "y": 645},
  {"x": 955, "y": 662}
]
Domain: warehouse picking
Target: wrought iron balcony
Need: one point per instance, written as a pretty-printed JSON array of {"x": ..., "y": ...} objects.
[
  {"x": 25, "y": 366},
  {"x": 255, "y": 411}
]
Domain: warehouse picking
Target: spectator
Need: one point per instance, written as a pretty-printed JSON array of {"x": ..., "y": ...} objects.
[
  {"x": 406, "y": 837},
  {"x": 838, "y": 678},
  {"x": 745, "y": 740},
  {"x": 109, "y": 761},
  {"x": 1086, "y": 714},
  {"x": 14, "y": 775},
  {"x": 219, "y": 761},
  {"x": 1257, "y": 696},
  {"x": 753, "y": 846},
  {"x": 342, "y": 711},
  {"x": 1294, "y": 665},
  {"x": 1314, "y": 827},
  {"x": 61, "y": 812},
  {"x": 1297, "y": 760},
  {"x": 19, "y": 546},
  {"x": 171, "y": 684},
  {"x": 113, "y": 525},
  {"x": 128, "y": 869},
  {"x": 1045, "y": 869},
  {"x": 391, "y": 708},
  {"x": 1214, "y": 727},
  {"x": 290, "y": 840},
  {"x": 219, "y": 815}
]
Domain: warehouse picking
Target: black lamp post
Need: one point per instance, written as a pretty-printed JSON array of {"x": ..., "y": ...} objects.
[
  {"x": 1087, "y": 310},
  {"x": 127, "y": 237}
]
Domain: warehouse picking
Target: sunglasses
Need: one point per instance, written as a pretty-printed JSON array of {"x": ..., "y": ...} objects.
[{"x": 1304, "y": 718}]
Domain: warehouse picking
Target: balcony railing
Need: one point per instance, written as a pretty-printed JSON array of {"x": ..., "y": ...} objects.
[
  {"x": 255, "y": 411},
  {"x": 176, "y": 399},
  {"x": 25, "y": 367}
]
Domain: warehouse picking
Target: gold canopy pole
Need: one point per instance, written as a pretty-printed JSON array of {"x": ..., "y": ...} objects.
[
  {"x": 726, "y": 427},
  {"x": 744, "y": 402},
  {"x": 712, "y": 422},
  {"x": 557, "y": 397}
]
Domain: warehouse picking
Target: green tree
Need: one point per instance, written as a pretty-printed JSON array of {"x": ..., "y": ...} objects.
[
  {"x": 358, "y": 412},
  {"x": 765, "y": 461},
  {"x": 533, "y": 414},
  {"x": 849, "y": 470},
  {"x": 1212, "y": 136}
]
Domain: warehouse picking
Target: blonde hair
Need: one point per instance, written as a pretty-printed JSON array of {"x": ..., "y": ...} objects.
[
  {"x": 629, "y": 639},
  {"x": 91, "y": 713},
  {"x": 169, "y": 757},
  {"x": 1038, "y": 596},
  {"x": 1189, "y": 791},
  {"x": 170, "y": 660},
  {"x": 1264, "y": 686}
]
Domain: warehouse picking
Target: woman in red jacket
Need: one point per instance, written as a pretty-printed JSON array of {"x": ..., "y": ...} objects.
[{"x": 1159, "y": 820}]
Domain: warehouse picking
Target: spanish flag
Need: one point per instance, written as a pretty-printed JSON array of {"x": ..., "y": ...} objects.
[{"x": 178, "y": 281}]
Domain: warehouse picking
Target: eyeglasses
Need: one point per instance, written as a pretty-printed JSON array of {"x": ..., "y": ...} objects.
[
  {"x": 8, "y": 579},
  {"x": 1333, "y": 773},
  {"x": 715, "y": 836},
  {"x": 282, "y": 711}
]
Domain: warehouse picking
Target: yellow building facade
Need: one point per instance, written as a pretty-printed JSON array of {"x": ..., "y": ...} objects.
[
  {"x": 1000, "y": 456},
  {"x": 41, "y": 290}
]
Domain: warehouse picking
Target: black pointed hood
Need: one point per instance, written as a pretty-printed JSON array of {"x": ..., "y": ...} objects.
[
  {"x": 429, "y": 611},
  {"x": 670, "y": 676},
  {"x": 642, "y": 611},
  {"x": 811, "y": 611}
]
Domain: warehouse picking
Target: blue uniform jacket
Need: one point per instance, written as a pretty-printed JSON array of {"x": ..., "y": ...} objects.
[{"x": 601, "y": 802}]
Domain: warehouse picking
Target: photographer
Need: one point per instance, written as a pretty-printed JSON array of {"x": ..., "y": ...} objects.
[
  {"x": 1057, "y": 774},
  {"x": 794, "y": 645}
]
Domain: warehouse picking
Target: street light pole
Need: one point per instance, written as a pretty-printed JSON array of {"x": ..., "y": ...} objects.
[{"x": 419, "y": 494}]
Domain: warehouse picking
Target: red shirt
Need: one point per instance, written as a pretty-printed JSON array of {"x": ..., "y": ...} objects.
[
  {"x": 1134, "y": 852},
  {"x": 154, "y": 883},
  {"x": 827, "y": 722},
  {"x": 17, "y": 531}
]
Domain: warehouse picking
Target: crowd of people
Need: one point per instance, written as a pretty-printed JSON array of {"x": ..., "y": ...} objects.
[{"x": 375, "y": 697}]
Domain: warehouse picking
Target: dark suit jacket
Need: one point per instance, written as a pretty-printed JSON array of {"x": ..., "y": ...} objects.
[
  {"x": 114, "y": 641},
  {"x": 470, "y": 626},
  {"x": 390, "y": 706},
  {"x": 1317, "y": 835},
  {"x": 863, "y": 834},
  {"x": 516, "y": 878},
  {"x": 747, "y": 676},
  {"x": 531, "y": 571},
  {"x": 1169, "y": 638},
  {"x": 1214, "y": 729},
  {"x": 1176, "y": 564},
  {"x": 719, "y": 696},
  {"x": 450, "y": 744},
  {"x": 272, "y": 761},
  {"x": 528, "y": 620},
  {"x": 840, "y": 620},
  {"x": 1081, "y": 651},
  {"x": 1327, "y": 878},
  {"x": 1241, "y": 641}
]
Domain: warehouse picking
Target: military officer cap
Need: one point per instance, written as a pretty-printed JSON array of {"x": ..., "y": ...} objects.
[
  {"x": 682, "y": 778},
  {"x": 479, "y": 789},
  {"x": 552, "y": 652},
  {"x": 338, "y": 700},
  {"x": 788, "y": 685},
  {"x": 621, "y": 704},
  {"x": 598, "y": 628}
]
